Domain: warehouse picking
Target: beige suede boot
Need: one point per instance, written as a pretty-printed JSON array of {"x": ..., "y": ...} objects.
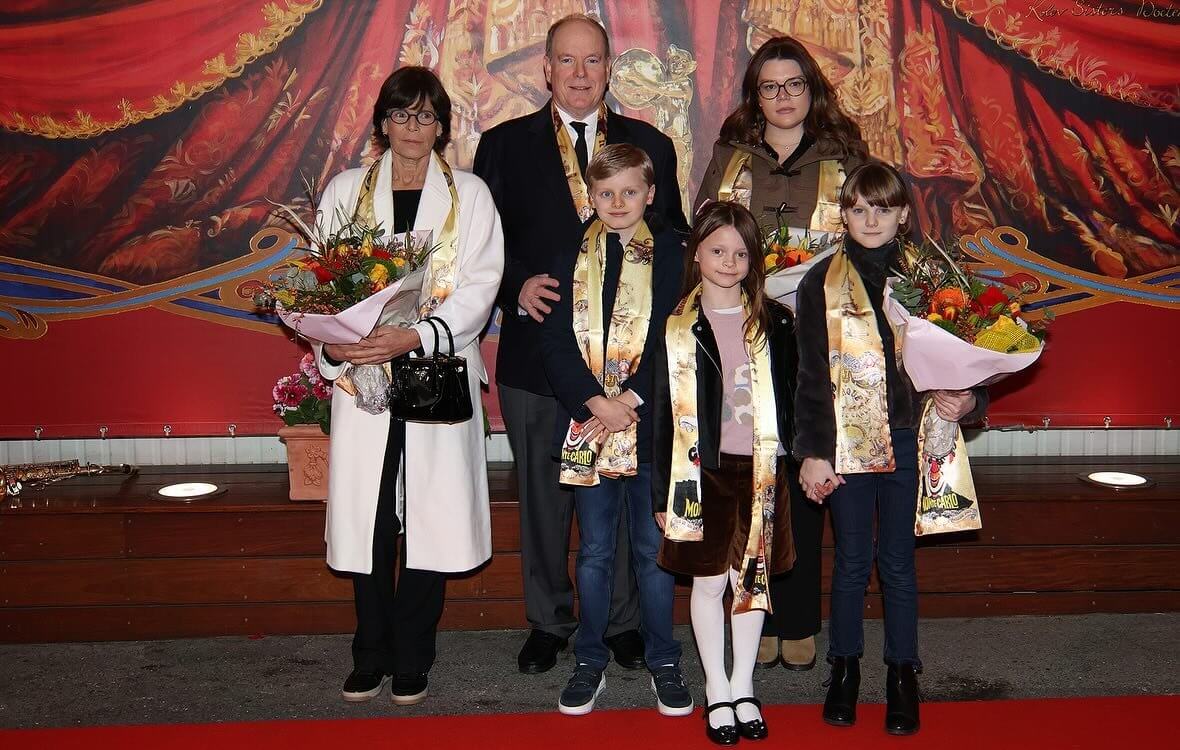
[
  {"x": 798, "y": 656},
  {"x": 768, "y": 651}
]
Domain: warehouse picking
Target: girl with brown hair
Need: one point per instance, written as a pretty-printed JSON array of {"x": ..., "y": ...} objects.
[
  {"x": 783, "y": 154},
  {"x": 856, "y": 418},
  {"x": 721, "y": 474}
]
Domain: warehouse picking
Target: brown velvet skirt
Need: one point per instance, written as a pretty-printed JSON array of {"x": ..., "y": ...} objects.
[{"x": 726, "y": 495}]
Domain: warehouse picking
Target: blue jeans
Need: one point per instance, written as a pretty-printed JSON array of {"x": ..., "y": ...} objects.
[
  {"x": 892, "y": 498},
  {"x": 599, "y": 509}
]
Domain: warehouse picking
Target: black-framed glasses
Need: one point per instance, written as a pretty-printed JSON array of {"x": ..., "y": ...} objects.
[
  {"x": 793, "y": 87},
  {"x": 425, "y": 117}
]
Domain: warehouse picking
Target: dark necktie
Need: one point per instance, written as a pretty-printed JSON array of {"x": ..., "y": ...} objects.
[
  {"x": 580, "y": 146},
  {"x": 611, "y": 273}
]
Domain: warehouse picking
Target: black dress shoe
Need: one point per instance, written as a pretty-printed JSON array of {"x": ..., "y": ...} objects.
[
  {"x": 901, "y": 700},
  {"x": 726, "y": 734},
  {"x": 539, "y": 653},
  {"x": 843, "y": 688},
  {"x": 627, "y": 648},
  {"x": 751, "y": 730}
]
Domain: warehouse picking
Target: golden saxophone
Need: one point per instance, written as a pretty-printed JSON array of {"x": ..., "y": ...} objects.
[{"x": 14, "y": 479}]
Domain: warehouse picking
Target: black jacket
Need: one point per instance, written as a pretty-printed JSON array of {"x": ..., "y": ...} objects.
[
  {"x": 783, "y": 366},
  {"x": 572, "y": 381},
  {"x": 815, "y": 413},
  {"x": 518, "y": 159}
]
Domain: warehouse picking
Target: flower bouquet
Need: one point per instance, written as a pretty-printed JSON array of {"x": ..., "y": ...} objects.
[
  {"x": 304, "y": 397},
  {"x": 789, "y": 254},
  {"x": 957, "y": 331},
  {"x": 348, "y": 283}
]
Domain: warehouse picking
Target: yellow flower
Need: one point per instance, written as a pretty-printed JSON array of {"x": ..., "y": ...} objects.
[
  {"x": 367, "y": 246},
  {"x": 771, "y": 261},
  {"x": 379, "y": 274},
  {"x": 399, "y": 262}
]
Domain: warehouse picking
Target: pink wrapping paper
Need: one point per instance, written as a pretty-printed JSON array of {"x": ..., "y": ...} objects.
[
  {"x": 938, "y": 360},
  {"x": 351, "y": 325}
]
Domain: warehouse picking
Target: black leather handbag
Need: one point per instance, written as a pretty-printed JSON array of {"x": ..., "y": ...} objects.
[{"x": 431, "y": 389}]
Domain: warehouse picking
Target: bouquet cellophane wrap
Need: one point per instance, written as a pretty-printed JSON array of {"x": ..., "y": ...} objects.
[
  {"x": 396, "y": 304},
  {"x": 936, "y": 359},
  {"x": 781, "y": 285},
  {"x": 353, "y": 324}
]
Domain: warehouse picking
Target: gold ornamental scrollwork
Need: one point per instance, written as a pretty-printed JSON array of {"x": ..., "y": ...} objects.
[{"x": 640, "y": 81}]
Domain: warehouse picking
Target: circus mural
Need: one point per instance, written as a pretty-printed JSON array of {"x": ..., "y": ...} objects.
[{"x": 144, "y": 143}]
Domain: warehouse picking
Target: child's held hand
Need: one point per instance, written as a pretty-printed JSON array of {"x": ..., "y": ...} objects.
[
  {"x": 614, "y": 415},
  {"x": 819, "y": 479}
]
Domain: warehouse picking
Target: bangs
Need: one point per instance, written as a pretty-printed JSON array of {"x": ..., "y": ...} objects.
[{"x": 879, "y": 184}]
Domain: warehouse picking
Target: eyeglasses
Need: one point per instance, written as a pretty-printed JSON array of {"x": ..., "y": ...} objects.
[
  {"x": 793, "y": 87},
  {"x": 425, "y": 117}
]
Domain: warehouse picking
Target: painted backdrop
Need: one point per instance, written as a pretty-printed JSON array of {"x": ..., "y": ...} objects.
[{"x": 142, "y": 138}]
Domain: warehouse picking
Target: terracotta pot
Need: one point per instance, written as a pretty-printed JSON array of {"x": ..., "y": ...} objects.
[{"x": 307, "y": 461}]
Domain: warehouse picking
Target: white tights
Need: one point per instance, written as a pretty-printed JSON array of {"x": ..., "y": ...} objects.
[{"x": 707, "y": 605}]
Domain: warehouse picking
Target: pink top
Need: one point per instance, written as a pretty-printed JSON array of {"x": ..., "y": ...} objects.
[{"x": 737, "y": 408}]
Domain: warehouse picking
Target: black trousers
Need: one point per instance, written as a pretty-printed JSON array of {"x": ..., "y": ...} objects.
[
  {"x": 795, "y": 596},
  {"x": 396, "y": 619},
  {"x": 546, "y": 516}
]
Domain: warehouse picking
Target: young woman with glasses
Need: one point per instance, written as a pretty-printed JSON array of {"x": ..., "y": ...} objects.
[{"x": 783, "y": 153}]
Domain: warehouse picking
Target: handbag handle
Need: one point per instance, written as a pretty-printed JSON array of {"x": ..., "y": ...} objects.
[
  {"x": 450, "y": 339},
  {"x": 434, "y": 328}
]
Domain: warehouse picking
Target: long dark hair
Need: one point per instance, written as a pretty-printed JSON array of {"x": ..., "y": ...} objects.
[
  {"x": 825, "y": 119},
  {"x": 709, "y": 219}
]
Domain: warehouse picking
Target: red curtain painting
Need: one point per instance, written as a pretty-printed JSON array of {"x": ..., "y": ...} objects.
[{"x": 142, "y": 140}]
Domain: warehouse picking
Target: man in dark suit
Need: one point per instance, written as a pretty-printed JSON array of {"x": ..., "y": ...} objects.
[{"x": 542, "y": 204}]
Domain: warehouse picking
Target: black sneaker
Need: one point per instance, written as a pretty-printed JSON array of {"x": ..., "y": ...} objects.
[
  {"x": 581, "y": 691},
  {"x": 672, "y": 696},
  {"x": 408, "y": 689},
  {"x": 362, "y": 686}
]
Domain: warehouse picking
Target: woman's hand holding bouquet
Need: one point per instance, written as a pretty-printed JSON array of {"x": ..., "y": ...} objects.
[{"x": 354, "y": 291}]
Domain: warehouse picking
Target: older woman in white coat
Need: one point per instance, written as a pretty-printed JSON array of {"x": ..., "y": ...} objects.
[{"x": 425, "y": 482}]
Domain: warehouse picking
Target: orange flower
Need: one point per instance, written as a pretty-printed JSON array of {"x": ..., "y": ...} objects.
[{"x": 951, "y": 297}]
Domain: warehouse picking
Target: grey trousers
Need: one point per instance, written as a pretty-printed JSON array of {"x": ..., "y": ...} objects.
[{"x": 546, "y": 516}]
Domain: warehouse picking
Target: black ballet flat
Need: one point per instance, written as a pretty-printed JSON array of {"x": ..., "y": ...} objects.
[
  {"x": 727, "y": 734},
  {"x": 751, "y": 730}
]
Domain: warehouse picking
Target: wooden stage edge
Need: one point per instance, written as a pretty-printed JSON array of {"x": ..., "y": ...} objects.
[{"x": 99, "y": 559}]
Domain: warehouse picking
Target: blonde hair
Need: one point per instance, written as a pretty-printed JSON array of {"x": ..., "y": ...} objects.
[{"x": 617, "y": 157}]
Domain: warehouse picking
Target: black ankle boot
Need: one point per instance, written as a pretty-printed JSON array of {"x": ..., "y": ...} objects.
[
  {"x": 843, "y": 687},
  {"x": 901, "y": 699}
]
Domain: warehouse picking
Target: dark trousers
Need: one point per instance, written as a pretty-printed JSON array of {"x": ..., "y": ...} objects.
[
  {"x": 599, "y": 510},
  {"x": 546, "y": 516},
  {"x": 892, "y": 498},
  {"x": 396, "y": 621},
  {"x": 795, "y": 595}
]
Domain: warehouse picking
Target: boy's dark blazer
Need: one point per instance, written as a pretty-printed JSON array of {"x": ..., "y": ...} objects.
[{"x": 519, "y": 161}]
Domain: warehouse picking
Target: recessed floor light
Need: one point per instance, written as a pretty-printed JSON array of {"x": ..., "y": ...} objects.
[
  {"x": 1117, "y": 480},
  {"x": 186, "y": 492}
]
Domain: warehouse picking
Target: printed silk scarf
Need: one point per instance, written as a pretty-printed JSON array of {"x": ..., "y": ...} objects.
[
  {"x": 614, "y": 363},
  {"x": 569, "y": 160},
  {"x": 685, "y": 514},
  {"x": 856, "y": 362}
]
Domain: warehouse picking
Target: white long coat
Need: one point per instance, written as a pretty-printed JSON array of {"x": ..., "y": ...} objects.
[{"x": 443, "y": 478}]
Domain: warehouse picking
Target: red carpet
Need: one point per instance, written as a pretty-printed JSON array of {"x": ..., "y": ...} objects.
[{"x": 1114, "y": 723}]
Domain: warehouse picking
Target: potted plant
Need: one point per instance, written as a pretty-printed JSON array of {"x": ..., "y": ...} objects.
[{"x": 304, "y": 401}]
